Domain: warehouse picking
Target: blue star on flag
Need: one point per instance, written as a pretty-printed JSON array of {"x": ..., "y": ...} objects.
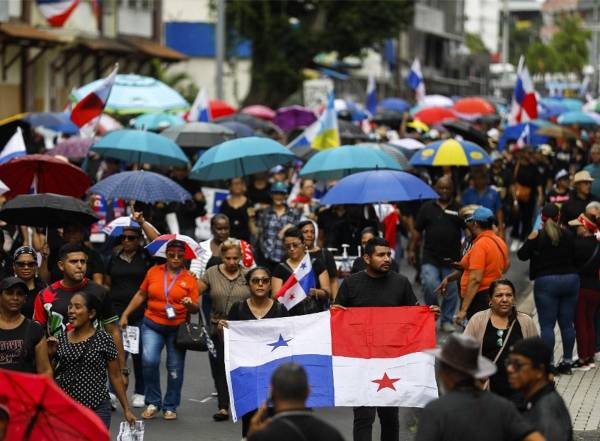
[
  {"x": 303, "y": 266},
  {"x": 280, "y": 342}
]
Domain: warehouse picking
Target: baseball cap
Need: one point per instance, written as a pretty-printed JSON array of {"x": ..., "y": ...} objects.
[
  {"x": 12, "y": 282},
  {"x": 279, "y": 187},
  {"x": 481, "y": 214},
  {"x": 582, "y": 176},
  {"x": 561, "y": 175}
]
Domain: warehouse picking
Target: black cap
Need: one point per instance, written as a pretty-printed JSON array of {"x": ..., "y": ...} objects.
[
  {"x": 536, "y": 350},
  {"x": 551, "y": 211},
  {"x": 11, "y": 282}
]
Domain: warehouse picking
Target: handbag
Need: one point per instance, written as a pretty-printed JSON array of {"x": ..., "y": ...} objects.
[
  {"x": 194, "y": 336},
  {"x": 523, "y": 193}
]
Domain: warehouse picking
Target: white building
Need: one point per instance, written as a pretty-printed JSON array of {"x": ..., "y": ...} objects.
[{"x": 483, "y": 18}]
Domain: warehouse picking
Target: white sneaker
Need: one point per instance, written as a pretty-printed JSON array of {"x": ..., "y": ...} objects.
[
  {"x": 137, "y": 401},
  {"x": 113, "y": 401},
  {"x": 515, "y": 245}
]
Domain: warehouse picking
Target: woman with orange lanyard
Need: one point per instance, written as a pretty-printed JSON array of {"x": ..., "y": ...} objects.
[{"x": 171, "y": 293}]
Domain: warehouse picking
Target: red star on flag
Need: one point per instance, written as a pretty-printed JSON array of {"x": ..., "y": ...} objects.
[
  {"x": 386, "y": 382},
  {"x": 292, "y": 297}
]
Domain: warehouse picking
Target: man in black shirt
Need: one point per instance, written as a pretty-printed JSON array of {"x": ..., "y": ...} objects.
[
  {"x": 439, "y": 221},
  {"x": 376, "y": 286},
  {"x": 581, "y": 196},
  {"x": 359, "y": 264},
  {"x": 465, "y": 412},
  {"x": 292, "y": 420}
]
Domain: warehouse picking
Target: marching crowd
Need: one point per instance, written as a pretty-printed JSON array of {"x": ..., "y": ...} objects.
[{"x": 64, "y": 302}]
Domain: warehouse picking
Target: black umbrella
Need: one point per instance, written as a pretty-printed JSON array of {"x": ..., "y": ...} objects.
[
  {"x": 47, "y": 210},
  {"x": 468, "y": 132},
  {"x": 255, "y": 123},
  {"x": 350, "y": 132},
  {"x": 199, "y": 135}
]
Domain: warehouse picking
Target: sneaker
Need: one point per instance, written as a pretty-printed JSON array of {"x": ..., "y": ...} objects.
[
  {"x": 515, "y": 245},
  {"x": 564, "y": 368},
  {"x": 113, "y": 401},
  {"x": 170, "y": 415},
  {"x": 581, "y": 366},
  {"x": 150, "y": 412},
  {"x": 448, "y": 327},
  {"x": 137, "y": 401}
]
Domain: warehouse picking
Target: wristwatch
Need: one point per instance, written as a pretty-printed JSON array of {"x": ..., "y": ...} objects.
[{"x": 125, "y": 371}]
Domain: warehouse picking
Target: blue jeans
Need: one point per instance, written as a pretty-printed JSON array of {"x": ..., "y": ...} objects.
[
  {"x": 556, "y": 299},
  {"x": 156, "y": 337},
  {"x": 431, "y": 277},
  {"x": 104, "y": 412}
]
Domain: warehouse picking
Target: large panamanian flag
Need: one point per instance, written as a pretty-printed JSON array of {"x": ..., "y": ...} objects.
[
  {"x": 353, "y": 357},
  {"x": 524, "y": 103}
]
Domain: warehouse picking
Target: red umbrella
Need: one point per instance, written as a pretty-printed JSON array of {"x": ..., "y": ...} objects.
[
  {"x": 434, "y": 115},
  {"x": 474, "y": 105},
  {"x": 219, "y": 108},
  {"x": 40, "y": 411},
  {"x": 260, "y": 111},
  {"x": 52, "y": 175}
]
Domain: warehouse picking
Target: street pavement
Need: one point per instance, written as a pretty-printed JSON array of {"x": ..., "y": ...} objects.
[{"x": 581, "y": 392}]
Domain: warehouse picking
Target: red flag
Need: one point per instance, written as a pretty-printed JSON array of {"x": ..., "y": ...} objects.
[{"x": 94, "y": 102}]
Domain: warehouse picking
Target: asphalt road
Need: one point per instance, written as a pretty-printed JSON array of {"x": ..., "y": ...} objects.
[{"x": 195, "y": 421}]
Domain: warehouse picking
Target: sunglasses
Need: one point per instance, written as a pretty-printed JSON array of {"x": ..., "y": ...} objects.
[
  {"x": 25, "y": 264},
  {"x": 260, "y": 280},
  {"x": 291, "y": 246},
  {"x": 516, "y": 365},
  {"x": 129, "y": 237},
  {"x": 175, "y": 255},
  {"x": 500, "y": 335}
]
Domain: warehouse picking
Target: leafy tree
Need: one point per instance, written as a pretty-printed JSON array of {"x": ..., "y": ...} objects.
[
  {"x": 541, "y": 58},
  {"x": 475, "y": 44},
  {"x": 182, "y": 82},
  {"x": 287, "y": 34}
]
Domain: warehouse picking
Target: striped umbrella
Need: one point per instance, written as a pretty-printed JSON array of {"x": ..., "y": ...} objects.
[
  {"x": 451, "y": 152},
  {"x": 116, "y": 227},
  {"x": 158, "y": 246}
]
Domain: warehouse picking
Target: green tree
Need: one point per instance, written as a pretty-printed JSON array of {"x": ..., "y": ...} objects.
[
  {"x": 541, "y": 58},
  {"x": 182, "y": 82},
  {"x": 475, "y": 44},
  {"x": 287, "y": 34}
]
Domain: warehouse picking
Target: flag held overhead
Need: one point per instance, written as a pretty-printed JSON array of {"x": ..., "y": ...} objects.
[{"x": 92, "y": 105}]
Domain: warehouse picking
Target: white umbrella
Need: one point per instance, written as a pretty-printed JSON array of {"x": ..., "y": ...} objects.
[{"x": 436, "y": 101}]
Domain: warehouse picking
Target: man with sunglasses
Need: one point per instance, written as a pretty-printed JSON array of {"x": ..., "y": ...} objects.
[
  {"x": 528, "y": 367},
  {"x": 25, "y": 266}
]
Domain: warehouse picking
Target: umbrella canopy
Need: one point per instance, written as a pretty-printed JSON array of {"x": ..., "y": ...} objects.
[
  {"x": 474, "y": 106},
  {"x": 3, "y": 188},
  {"x": 434, "y": 115},
  {"x": 136, "y": 94},
  {"x": 467, "y": 131},
  {"x": 343, "y": 161},
  {"x": 572, "y": 103},
  {"x": 407, "y": 143},
  {"x": 157, "y": 121},
  {"x": 44, "y": 174},
  {"x": 436, "y": 101},
  {"x": 451, "y": 152},
  {"x": 137, "y": 146},
  {"x": 378, "y": 186},
  {"x": 47, "y": 210},
  {"x": 294, "y": 117},
  {"x": 240, "y": 157},
  {"x": 220, "y": 108},
  {"x": 252, "y": 121},
  {"x": 388, "y": 118},
  {"x": 57, "y": 121},
  {"x": 107, "y": 124},
  {"x": 260, "y": 111},
  {"x": 75, "y": 147},
  {"x": 117, "y": 226},
  {"x": 554, "y": 131},
  {"x": 576, "y": 117},
  {"x": 395, "y": 104},
  {"x": 595, "y": 116},
  {"x": 199, "y": 134},
  {"x": 158, "y": 247},
  {"x": 241, "y": 130},
  {"x": 144, "y": 186},
  {"x": 514, "y": 132},
  {"x": 40, "y": 410},
  {"x": 394, "y": 152}
]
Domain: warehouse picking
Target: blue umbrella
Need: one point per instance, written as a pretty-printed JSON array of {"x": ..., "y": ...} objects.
[
  {"x": 378, "y": 186},
  {"x": 346, "y": 160},
  {"x": 240, "y": 157},
  {"x": 142, "y": 147},
  {"x": 144, "y": 186},
  {"x": 157, "y": 121},
  {"x": 576, "y": 117},
  {"x": 241, "y": 130},
  {"x": 136, "y": 94},
  {"x": 57, "y": 121},
  {"x": 394, "y": 104},
  {"x": 514, "y": 132},
  {"x": 572, "y": 103}
]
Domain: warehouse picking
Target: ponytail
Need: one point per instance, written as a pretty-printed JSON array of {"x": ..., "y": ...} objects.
[{"x": 552, "y": 230}]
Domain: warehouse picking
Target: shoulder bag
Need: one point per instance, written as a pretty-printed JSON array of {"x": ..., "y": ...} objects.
[{"x": 194, "y": 336}]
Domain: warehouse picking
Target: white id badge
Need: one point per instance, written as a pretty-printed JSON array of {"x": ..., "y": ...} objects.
[{"x": 170, "y": 312}]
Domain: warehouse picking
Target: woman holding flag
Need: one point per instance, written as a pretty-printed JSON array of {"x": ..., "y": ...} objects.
[{"x": 301, "y": 285}]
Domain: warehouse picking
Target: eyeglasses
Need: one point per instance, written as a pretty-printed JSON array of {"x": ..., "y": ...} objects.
[
  {"x": 25, "y": 264},
  {"x": 516, "y": 365},
  {"x": 500, "y": 334},
  {"x": 260, "y": 280},
  {"x": 291, "y": 246},
  {"x": 131, "y": 237},
  {"x": 175, "y": 256}
]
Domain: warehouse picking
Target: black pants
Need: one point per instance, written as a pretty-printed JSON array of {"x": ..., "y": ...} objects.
[
  {"x": 480, "y": 302},
  {"x": 364, "y": 417},
  {"x": 523, "y": 220},
  {"x": 218, "y": 368}
]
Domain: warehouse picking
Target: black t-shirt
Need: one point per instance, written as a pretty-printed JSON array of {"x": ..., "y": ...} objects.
[
  {"x": 360, "y": 289},
  {"x": 587, "y": 262},
  {"x": 238, "y": 219},
  {"x": 94, "y": 264},
  {"x": 27, "y": 309},
  {"x": 327, "y": 259},
  {"x": 311, "y": 428},
  {"x": 360, "y": 265},
  {"x": 472, "y": 415},
  {"x": 17, "y": 346},
  {"x": 241, "y": 311},
  {"x": 258, "y": 196},
  {"x": 528, "y": 176},
  {"x": 283, "y": 271},
  {"x": 499, "y": 381},
  {"x": 574, "y": 207},
  {"x": 125, "y": 280},
  {"x": 554, "y": 197},
  {"x": 442, "y": 229}
]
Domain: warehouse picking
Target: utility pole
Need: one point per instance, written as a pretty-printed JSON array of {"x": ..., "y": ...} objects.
[
  {"x": 220, "y": 48},
  {"x": 505, "y": 31}
]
